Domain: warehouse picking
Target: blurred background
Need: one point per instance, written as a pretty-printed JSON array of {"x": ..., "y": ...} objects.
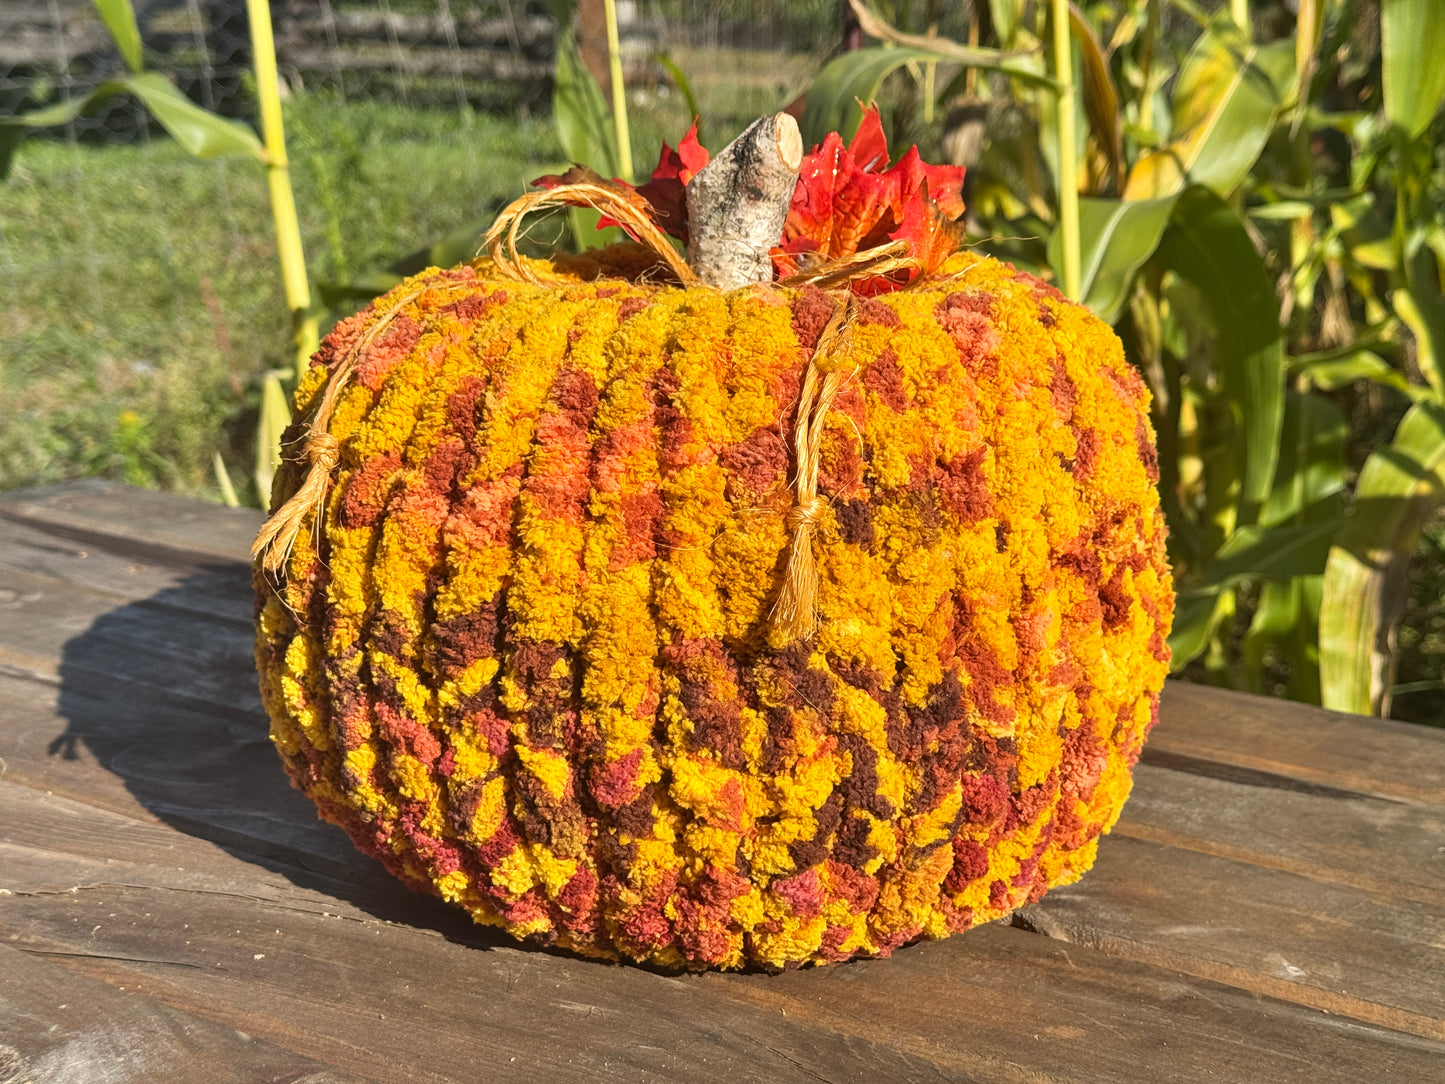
[{"x": 1259, "y": 192}]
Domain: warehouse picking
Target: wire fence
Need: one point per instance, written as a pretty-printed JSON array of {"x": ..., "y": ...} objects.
[{"x": 141, "y": 285}]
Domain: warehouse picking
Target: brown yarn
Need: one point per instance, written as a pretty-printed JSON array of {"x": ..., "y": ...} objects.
[{"x": 795, "y": 613}]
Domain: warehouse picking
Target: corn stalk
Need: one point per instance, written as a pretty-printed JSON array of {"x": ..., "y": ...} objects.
[
  {"x": 619, "y": 92},
  {"x": 1068, "y": 152},
  {"x": 278, "y": 182}
]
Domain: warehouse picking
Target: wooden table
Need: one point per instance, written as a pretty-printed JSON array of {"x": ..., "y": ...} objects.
[{"x": 1270, "y": 908}]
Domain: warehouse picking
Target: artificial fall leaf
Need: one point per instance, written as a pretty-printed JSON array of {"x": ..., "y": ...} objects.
[
  {"x": 848, "y": 200},
  {"x": 665, "y": 192},
  {"x": 662, "y": 197},
  {"x": 928, "y": 228}
]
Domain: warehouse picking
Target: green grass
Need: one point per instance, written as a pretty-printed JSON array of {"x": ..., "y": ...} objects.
[{"x": 142, "y": 293}]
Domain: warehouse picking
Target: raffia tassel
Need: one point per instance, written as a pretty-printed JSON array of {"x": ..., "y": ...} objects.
[
  {"x": 795, "y": 613},
  {"x": 321, "y": 450},
  {"x": 278, "y": 534}
]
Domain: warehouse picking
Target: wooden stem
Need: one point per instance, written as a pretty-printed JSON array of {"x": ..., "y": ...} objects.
[{"x": 737, "y": 204}]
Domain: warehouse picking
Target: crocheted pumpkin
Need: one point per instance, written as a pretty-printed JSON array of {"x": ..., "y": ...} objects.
[{"x": 525, "y": 650}]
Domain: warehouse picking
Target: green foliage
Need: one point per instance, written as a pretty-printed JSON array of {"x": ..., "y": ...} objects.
[
  {"x": 162, "y": 297},
  {"x": 1263, "y": 220},
  {"x": 119, "y": 19},
  {"x": 856, "y": 76},
  {"x": 1412, "y": 41},
  {"x": 579, "y": 108},
  {"x": 202, "y": 133},
  {"x": 1400, "y": 488}
]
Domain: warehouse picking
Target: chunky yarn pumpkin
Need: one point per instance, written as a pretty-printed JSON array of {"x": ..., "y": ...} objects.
[{"x": 523, "y": 653}]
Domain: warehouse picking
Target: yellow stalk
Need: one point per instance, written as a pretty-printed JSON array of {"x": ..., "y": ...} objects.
[
  {"x": 1239, "y": 12},
  {"x": 1068, "y": 152},
  {"x": 619, "y": 92},
  {"x": 304, "y": 329}
]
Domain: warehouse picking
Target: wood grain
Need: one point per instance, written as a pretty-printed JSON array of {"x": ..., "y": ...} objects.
[
  {"x": 56, "y": 1025},
  {"x": 1380, "y": 845},
  {"x": 1352, "y": 752},
  {"x": 326, "y": 979},
  {"x": 211, "y": 587},
  {"x": 1372, "y": 956},
  {"x": 137, "y": 522}
]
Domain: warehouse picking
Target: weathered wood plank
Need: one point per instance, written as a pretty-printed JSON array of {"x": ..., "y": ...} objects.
[
  {"x": 988, "y": 992},
  {"x": 400, "y": 1002},
  {"x": 145, "y": 707},
  {"x": 60, "y": 632},
  {"x": 1086, "y": 1021},
  {"x": 221, "y": 588},
  {"x": 393, "y": 1000},
  {"x": 1367, "y": 955},
  {"x": 56, "y": 1025},
  {"x": 1279, "y": 737},
  {"x": 146, "y": 755},
  {"x": 138, "y": 521},
  {"x": 1391, "y": 847}
]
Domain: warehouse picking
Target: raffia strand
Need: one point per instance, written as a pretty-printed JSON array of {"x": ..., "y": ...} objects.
[
  {"x": 322, "y": 452},
  {"x": 795, "y": 613},
  {"x": 501, "y": 239},
  {"x": 884, "y": 259}
]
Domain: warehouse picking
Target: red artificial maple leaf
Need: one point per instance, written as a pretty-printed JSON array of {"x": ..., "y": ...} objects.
[
  {"x": 665, "y": 191},
  {"x": 847, "y": 200},
  {"x": 664, "y": 196}
]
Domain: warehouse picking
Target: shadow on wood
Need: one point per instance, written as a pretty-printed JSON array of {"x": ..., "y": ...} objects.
[{"x": 162, "y": 693}]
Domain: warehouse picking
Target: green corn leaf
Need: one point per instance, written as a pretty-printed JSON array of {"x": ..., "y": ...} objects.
[
  {"x": 1401, "y": 487},
  {"x": 119, "y": 18},
  {"x": 223, "y": 481},
  {"x": 200, "y": 132},
  {"x": 1286, "y": 618},
  {"x": 1207, "y": 245},
  {"x": 1097, "y": 93},
  {"x": 203, "y": 134},
  {"x": 1366, "y": 234},
  {"x": 856, "y": 76},
  {"x": 1335, "y": 369},
  {"x": 13, "y": 129},
  {"x": 1197, "y": 615},
  {"x": 1424, "y": 314},
  {"x": 1275, "y": 617},
  {"x": 344, "y": 295},
  {"x": 1225, "y": 101},
  {"x": 1007, "y": 15},
  {"x": 847, "y": 80},
  {"x": 1412, "y": 43},
  {"x": 275, "y": 417},
  {"x": 1311, "y": 472},
  {"x": 1274, "y": 553},
  {"x": 1282, "y": 210},
  {"x": 1117, "y": 238},
  {"x": 579, "y": 109},
  {"x": 680, "y": 80}
]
